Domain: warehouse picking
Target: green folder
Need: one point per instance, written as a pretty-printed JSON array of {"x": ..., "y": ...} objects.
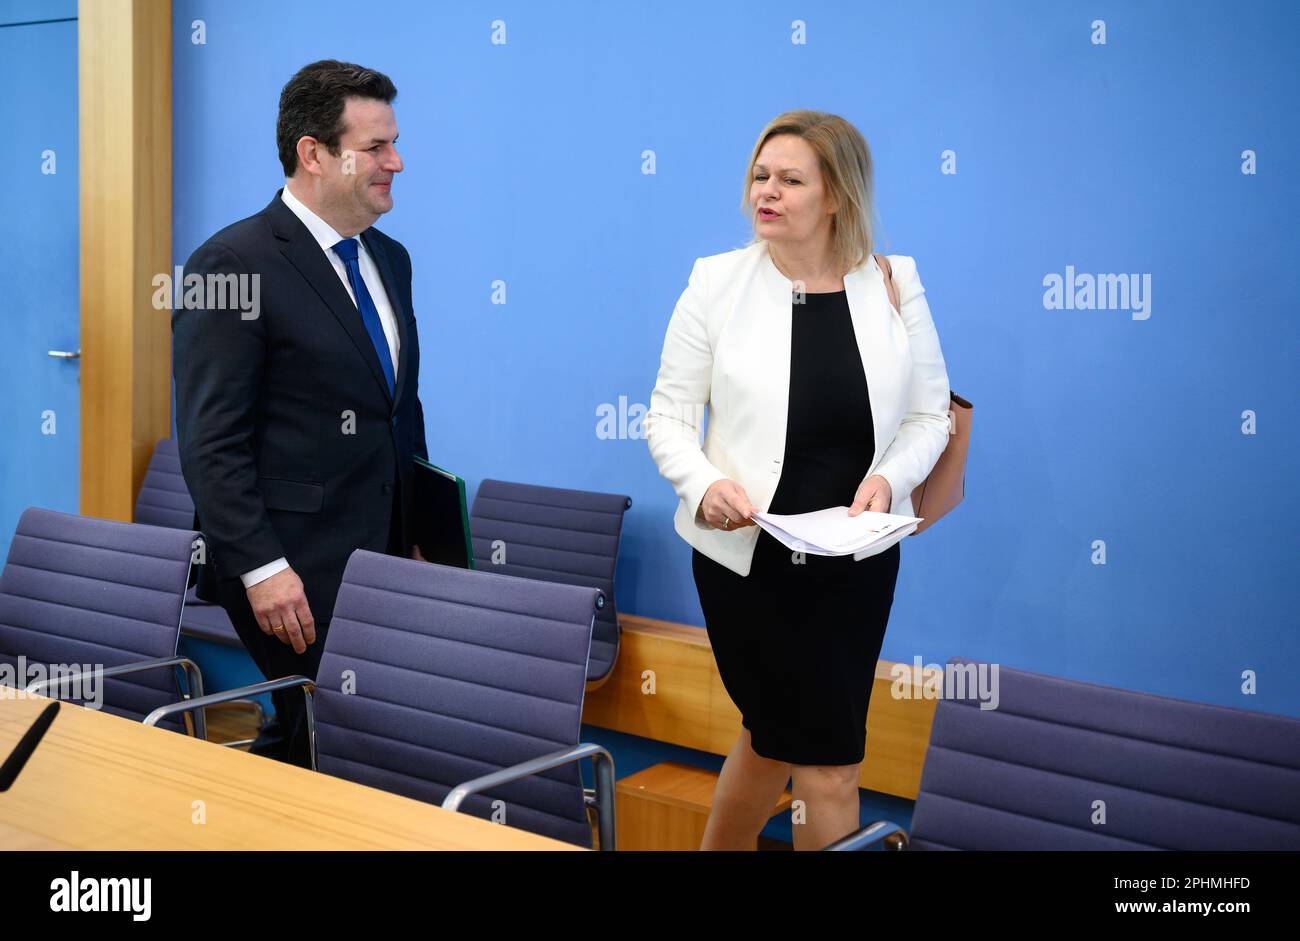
[{"x": 441, "y": 516}]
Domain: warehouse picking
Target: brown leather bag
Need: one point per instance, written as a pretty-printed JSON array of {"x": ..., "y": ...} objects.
[{"x": 946, "y": 485}]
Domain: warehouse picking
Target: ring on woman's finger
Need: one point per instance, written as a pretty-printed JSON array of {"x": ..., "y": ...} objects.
[
  {"x": 726, "y": 522},
  {"x": 278, "y": 628}
]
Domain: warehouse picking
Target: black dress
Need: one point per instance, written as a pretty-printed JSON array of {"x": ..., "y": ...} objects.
[{"x": 797, "y": 644}]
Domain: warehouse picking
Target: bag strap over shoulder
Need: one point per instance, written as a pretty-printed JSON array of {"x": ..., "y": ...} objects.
[{"x": 883, "y": 262}]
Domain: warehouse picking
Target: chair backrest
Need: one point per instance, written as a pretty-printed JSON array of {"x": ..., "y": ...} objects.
[
  {"x": 433, "y": 675},
  {"x": 554, "y": 535},
  {"x": 77, "y": 590},
  {"x": 164, "y": 499},
  {"x": 1057, "y": 757}
]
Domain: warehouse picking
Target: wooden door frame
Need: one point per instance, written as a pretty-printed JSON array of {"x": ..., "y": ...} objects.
[{"x": 124, "y": 58}]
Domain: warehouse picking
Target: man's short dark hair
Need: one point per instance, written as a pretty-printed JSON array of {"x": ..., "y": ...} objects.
[{"x": 312, "y": 102}]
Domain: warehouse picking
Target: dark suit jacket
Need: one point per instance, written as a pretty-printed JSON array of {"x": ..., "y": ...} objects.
[{"x": 289, "y": 441}]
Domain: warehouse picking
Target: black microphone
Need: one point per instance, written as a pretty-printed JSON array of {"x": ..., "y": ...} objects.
[{"x": 26, "y": 745}]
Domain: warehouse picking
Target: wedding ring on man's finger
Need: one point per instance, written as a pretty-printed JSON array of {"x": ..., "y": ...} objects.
[
  {"x": 278, "y": 628},
  {"x": 726, "y": 522}
]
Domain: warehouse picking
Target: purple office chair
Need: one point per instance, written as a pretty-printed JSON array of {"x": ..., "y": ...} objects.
[
  {"x": 457, "y": 687},
  {"x": 555, "y": 535},
  {"x": 78, "y": 592},
  {"x": 164, "y": 500},
  {"x": 1039, "y": 771}
]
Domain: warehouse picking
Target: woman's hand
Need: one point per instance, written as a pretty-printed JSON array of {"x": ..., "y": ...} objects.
[
  {"x": 873, "y": 494},
  {"x": 726, "y": 506}
]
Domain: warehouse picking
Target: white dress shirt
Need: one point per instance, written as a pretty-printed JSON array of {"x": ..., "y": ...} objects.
[{"x": 327, "y": 238}]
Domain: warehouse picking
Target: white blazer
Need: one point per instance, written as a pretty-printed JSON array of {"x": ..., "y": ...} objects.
[{"x": 728, "y": 348}]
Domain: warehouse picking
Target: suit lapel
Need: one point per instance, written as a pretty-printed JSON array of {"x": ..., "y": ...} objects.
[
  {"x": 771, "y": 337},
  {"x": 879, "y": 332},
  {"x": 304, "y": 253}
]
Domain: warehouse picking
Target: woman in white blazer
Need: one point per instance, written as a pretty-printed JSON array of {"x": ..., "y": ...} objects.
[{"x": 818, "y": 394}]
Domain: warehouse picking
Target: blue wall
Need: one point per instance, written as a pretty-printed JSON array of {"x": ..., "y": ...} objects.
[{"x": 523, "y": 163}]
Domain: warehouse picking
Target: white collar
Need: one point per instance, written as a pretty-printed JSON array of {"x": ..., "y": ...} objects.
[{"x": 320, "y": 230}]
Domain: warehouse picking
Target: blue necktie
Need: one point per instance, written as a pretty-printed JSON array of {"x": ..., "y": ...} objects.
[{"x": 347, "y": 250}]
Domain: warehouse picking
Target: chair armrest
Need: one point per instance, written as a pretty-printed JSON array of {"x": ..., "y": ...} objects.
[
  {"x": 192, "y": 672},
  {"x": 120, "y": 670},
  {"x": 868, "y": 837},
  {"x": 245, "y": 692},
  {"x": 603, "y": 768}
]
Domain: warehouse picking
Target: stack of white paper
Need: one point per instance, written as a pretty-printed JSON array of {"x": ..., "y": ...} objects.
[{"x": 833, "y": 532}]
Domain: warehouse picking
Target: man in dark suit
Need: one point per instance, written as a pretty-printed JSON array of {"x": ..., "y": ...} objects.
[{"x": 298, "y": 415}]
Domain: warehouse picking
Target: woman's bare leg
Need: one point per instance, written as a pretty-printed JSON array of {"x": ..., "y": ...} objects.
[
  {"x": 830, "y": 804},
  {"x": 746, "y": 796}
]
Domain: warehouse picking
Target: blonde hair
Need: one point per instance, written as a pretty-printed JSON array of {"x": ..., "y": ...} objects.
[{"x": 845, "y": 162}]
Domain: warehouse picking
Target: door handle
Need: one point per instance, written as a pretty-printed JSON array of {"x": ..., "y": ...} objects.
[{"x": 65, "y": 354}]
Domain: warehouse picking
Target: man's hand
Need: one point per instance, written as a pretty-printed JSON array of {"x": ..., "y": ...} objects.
[
  {"x": 282, "y": 611},
  {"x": 416, "y": 554},
  {"x": 873, "y": 494},
  {"x": 726, "y": 506}
]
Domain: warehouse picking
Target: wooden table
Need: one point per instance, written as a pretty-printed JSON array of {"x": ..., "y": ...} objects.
[{"x": 98, "y": 781}]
